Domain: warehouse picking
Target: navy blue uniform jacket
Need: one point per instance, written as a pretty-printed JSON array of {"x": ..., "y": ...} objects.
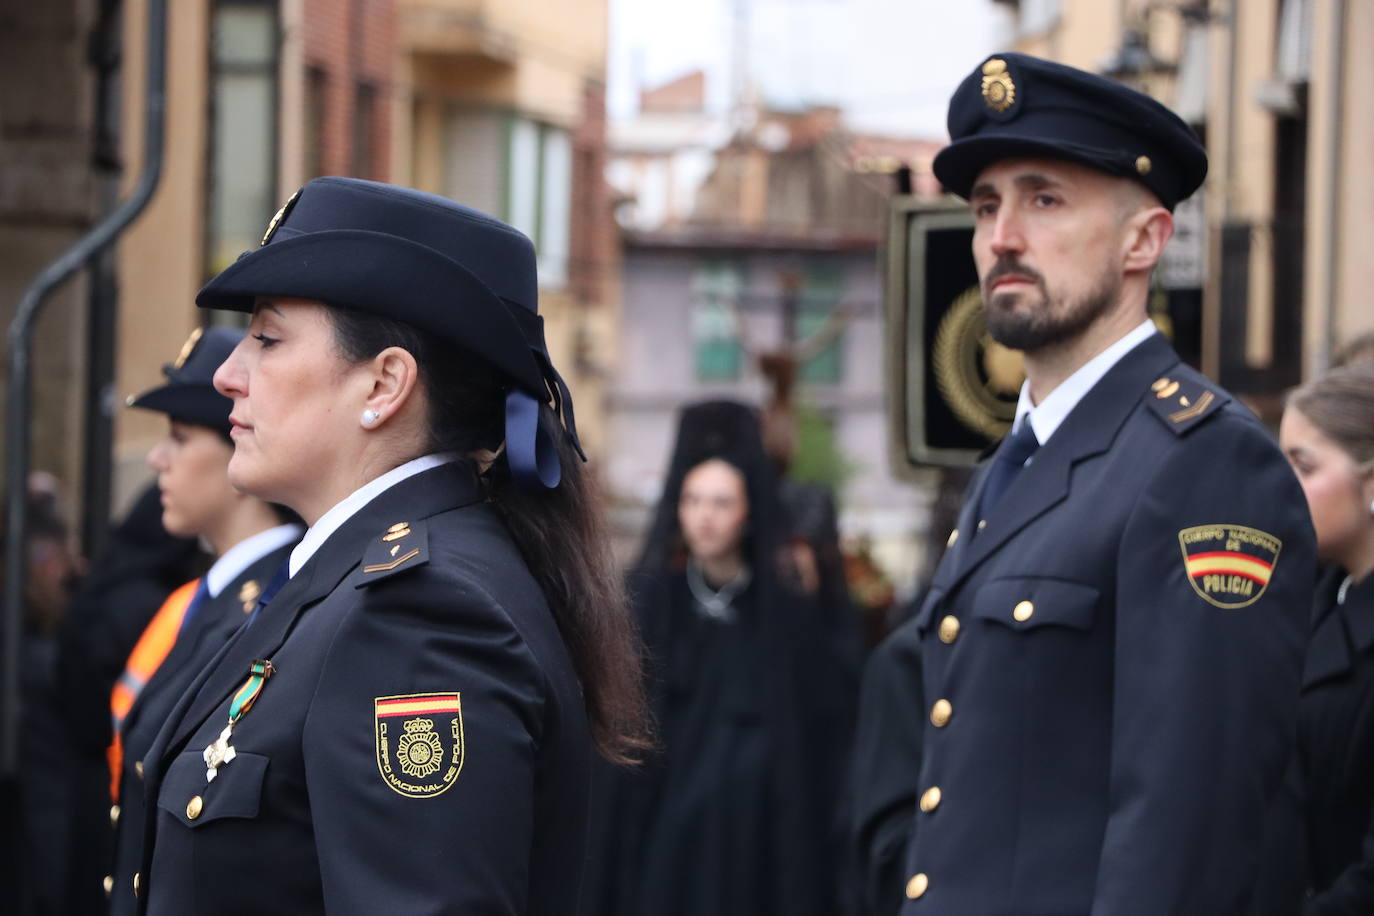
[
  {"x": 421, "y": 748},
  {"x": 200, "y": 640},
  {"x": 1112, "y": 664}
]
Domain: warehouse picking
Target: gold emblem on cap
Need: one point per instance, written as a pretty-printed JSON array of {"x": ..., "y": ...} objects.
[
  {"x": 1143, "y": 165},
  {"x": 187, "y": 347},
  {"x": 999, "y": 92},
  {"x": 278, "y": 217}
]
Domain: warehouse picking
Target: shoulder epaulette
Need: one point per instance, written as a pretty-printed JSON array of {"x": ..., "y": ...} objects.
[
  {"x": 401, "y": 547},
  {"x": 1183, "y": 402}
]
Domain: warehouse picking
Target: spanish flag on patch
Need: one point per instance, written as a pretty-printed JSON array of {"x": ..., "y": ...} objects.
[{"x": 1229, "y": 565}]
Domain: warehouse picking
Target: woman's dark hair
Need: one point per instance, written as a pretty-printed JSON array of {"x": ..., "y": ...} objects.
[
  {"x": 560, "y": 532},
  {"x": 1341, "y": 405}
]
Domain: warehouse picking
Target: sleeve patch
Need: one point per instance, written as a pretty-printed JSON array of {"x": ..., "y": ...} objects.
[
  {"x": 1229, "y": 566},
  {"x": 419, "y": 739}
]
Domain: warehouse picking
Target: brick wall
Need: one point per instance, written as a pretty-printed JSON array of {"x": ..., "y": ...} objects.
[{"x": 352, "y": 42}]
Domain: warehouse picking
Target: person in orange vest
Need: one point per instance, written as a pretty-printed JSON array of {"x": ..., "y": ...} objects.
[{"x": 252, "y": 540}]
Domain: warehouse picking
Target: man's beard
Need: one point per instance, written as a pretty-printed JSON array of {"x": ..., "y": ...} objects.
[{"x": 1041, "y": 323}]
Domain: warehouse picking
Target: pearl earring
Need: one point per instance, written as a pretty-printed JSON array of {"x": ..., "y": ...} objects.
[{"x": 370, "y": 416}]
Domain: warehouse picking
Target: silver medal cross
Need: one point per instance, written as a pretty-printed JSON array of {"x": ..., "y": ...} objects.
[{"x": 218, "y": 753}]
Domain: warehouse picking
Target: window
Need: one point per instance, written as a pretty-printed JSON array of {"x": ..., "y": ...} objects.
[
  {"x": 819, "y": 298},
  {"x": 316, "y": 100},
  {"x": 519, "y": 170},
  {"x": 1038, "y": 16},
  {"x": 364, "y": 131},
  {"x": 716, "y": 289},
  {"x": 243, "y": 131}
]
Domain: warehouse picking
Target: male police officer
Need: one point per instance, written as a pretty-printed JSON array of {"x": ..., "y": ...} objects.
[{"x": 1112, "y": 643}]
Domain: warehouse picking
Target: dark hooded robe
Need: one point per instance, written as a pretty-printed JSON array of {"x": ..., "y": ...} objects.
[{"x": 736, "y": 815}]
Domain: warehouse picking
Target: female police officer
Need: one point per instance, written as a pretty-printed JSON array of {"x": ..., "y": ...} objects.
[
  {"x": 250, "y": 538},
  {"x": 407, "y": 726}
]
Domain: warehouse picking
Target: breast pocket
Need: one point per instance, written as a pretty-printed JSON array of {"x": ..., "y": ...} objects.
[
  {"x": 235, "y": 792},
  {"x": 1028, "y": 603}
]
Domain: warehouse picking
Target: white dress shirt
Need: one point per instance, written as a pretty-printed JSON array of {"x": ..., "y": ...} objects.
[
  {"x": 245, "y": 553},
  {"x": 346, "y": 508},
  {"x": 1046, "y": 416}
]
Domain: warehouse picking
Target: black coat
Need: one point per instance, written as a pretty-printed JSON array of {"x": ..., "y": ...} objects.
[
  {"x": 884, "y": 780},
  {"x": 1110, "y": 703},
  {"x": 204, "y": 635},
  {"x": 1329, "y": 812},
  {"x": 421, "y": 748},
  {"x": 737, "y": 813}
]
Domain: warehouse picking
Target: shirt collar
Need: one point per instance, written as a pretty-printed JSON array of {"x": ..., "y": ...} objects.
[
  {"x": 245, "y": 553},
  {"x": 346, "y": 508},
  {"x": 1046, "y": 416}
]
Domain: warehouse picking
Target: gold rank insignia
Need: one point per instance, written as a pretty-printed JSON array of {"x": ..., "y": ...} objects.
[
  {"x": 1229, "y": 565},
  {"x": 999, "y": 90},
  {"x": 277, "y": 218},
  {"x": 401, "y": 547},
  {"x": 419, "y": 740}
]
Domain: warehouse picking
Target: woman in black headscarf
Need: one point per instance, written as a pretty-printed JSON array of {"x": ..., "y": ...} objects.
[{"x": 735, "y": 817}]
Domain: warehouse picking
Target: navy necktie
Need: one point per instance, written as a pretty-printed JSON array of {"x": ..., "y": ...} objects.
[
  {"x": 282, "y": 576},
  {"x": 202, "y": 594},
  {"x": 1006, "y": 464}
]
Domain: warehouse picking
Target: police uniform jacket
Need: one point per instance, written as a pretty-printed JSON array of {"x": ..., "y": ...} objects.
[
  {"x": 1112, "y": 663},
  {"x": 203, "y": 636},
  {"x": 419, "y": 748}
]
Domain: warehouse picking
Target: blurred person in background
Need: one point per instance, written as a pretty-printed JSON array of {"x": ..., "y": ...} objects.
[
  {"x": 1320, "y": 847},
  {"x": 46, "y": 761},
  {"x": 751, "y": 694},
  {"x": 251, "y": 540},
  {"x": 129, "y": 580},
  {"x": 1359, "y": 349}
]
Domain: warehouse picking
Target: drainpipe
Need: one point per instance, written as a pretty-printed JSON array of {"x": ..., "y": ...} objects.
[
  {"x": 1331, "y": 190},
  {"x": 20, "y": 343}
]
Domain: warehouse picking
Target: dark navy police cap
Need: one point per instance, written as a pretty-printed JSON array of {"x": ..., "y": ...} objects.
[
  {"x": 443, "y": 268},
  {"x": 1014, "y": 105},
  {"x": 189, "y": 395}
]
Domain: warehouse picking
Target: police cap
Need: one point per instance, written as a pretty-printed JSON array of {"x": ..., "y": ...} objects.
[
  {"x": 1015, "y": 105},
  {"x": 189, "y": 395},
  {"x": 437, "y": 265}
]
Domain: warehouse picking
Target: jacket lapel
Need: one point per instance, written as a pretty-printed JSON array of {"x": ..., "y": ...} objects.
[
  {"x": 1088, "y": 430},
  {"x": 439, "y": 489}
]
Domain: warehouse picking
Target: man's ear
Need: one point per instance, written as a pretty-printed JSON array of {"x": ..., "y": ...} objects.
[
  {"x": 395, "y": 376},
  {"x": 1147, "y": 232}
]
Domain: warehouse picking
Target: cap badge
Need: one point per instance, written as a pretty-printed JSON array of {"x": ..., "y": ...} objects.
[
  {"x": 999, "y": 92},
  {"x": 187, "y": 348},
  {"x": 1143, "y": 165},
  {"x": 278, "y": 217}
]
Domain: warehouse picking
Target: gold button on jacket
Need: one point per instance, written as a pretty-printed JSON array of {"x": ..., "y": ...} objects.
[
  {"x": 930, "y": 799},
  {"x": 1023, "y": 611},
  {"x": 940, "y": 713},
  {"x": 917, "y": 886},
  {"x": 137, "y": 882},
  {"x": 949, "y": 630},
  {"x": 194, "y": 807},
  {"x": 114, "y": 815}
]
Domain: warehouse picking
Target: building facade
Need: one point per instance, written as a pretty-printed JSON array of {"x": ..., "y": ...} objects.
[{"x": 497, "y": 104}]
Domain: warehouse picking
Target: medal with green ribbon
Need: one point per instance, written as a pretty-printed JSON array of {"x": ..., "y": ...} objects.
[{"x": 220, "y": 750}]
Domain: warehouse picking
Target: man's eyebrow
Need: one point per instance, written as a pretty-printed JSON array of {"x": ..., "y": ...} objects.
[{"x": 1030, "y": 181}]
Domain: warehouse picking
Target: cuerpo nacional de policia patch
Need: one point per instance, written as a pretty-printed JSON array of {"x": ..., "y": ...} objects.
[
  {"x": 419, "y": 742},
  {"x": 1229, "y": 565}
]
